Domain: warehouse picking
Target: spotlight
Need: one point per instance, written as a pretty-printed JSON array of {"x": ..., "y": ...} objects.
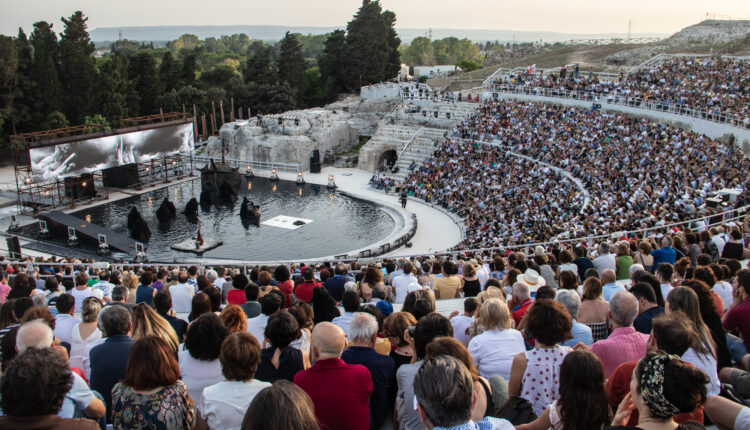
[
  {"x": 300, "y": 179},
  {"x": 28, "y": 181},
  {"x": 148, "y": 168},
  {"x": 43, "y": 230},
  {"x": 103, "y": 246},
  {"x": 249, "y": 173},
  {"x": 72, "y": 238},
  {"x": 274, "y": 176},
  {"x": 174, "y": 162},
  {"x": 331, "y": 182},
  {"x": 46, "y": 193},
  {"x": 88, "y": 218},
  {"x": 83, "y": 184}
]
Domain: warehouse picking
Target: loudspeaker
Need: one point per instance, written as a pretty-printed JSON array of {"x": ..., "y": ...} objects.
[
  {"x": 121, "y": 176},
  {"x": 314, "y": 167},
  {"x": 14, "y": 247},
  {"x": 80, "y": 187},
  {"x": 315, "y": 156}
]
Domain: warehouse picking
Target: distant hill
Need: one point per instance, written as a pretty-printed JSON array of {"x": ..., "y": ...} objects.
[{"x": 276, "y": 32}]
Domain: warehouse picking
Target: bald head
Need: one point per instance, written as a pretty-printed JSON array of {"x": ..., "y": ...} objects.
[
  {"x": 608, "y": 276},
  {"x": 328, "y": 341}
]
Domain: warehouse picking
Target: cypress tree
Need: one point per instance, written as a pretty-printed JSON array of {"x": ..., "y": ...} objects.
[
  {"x": 145, "y": 80},
  {"x": 292, "y": 66},
  {"x": 77, "y": 68},
  {"x": 48, "y": 92}
]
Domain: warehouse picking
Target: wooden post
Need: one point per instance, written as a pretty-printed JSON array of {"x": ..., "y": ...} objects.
[
  {"x": 248, "y": 113},
  {"x": 161, "y": 112},
  {"x": 231, "y": 109},
  {"x": 195, "y": 123},
  {"x": 205, "y": 130},
  {"x": 183, "y": 110},
  {"x": 221, "y": 110},
  {"x": 213, "y": 117}
]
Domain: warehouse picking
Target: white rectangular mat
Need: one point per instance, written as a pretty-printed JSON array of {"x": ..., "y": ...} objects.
[{"x": 286, "y": 222}]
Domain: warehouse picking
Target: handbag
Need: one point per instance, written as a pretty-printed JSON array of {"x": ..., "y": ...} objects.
[
  {"x": 729, "y": 392},
  {"x": 517, "y": 410}
]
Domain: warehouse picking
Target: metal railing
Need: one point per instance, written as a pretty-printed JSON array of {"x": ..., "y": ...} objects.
[
  {"x": 734, "y": 120},
  {"x": 253, "y": 164}
]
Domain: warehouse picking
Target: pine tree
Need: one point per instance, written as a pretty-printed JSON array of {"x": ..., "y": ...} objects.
[
  {"x": 259, "y": 69},
  {"x": 114, "y": 95},
  {"x": 24, "y": 94},
  {"x": 372, "y": 45},
  {"x": 333, "y": 62},
  {"x": 48, "y": 93},
  {"x": 77, "y": 68},
  {"x": 292, "y": 66},
  {"x": 8, "y": 83},
  {"x": 170, "y": 72},
  {"x": 393, "y": 63},
  {"x": 145, "y": 79},
  {"x": 188, "y": 69}
]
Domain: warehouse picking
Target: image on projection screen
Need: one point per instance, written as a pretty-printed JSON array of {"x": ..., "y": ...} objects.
[{"x": 91, "y": 155}]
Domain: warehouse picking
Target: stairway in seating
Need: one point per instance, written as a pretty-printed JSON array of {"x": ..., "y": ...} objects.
[{"x": 421, "y": 148}]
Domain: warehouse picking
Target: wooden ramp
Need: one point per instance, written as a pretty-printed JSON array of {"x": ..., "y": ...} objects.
[{"x": 58, "y": 223}]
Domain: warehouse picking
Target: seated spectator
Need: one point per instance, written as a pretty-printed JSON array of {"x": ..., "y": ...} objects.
[
  {"x": 237, "y": 295},
  {"x": 605, "y": 260},
  {"x": 163, "y": 305},
  {"x": 727, "y": 414},
  {"x": 493, "y": 350},
  {"x": 594, "y": 310},
  {"x": 740, "y": 379},
  {"x": 484, "y": 405},
  {"x": 303, "y": 314},
  {"x": 520, "y": 301},
  {"x": 579, "y": 332},
  {"x": 663, "y": 387},
  {"x": 461, "y": 323},
  {"x": 582, "y": 402},
  {"x": 395, "y": 327},
  {"x": 738, "y": 317},
  {"x": 447, "y": 287},
  {"x": 335, "y": 284},
  {"x": 199, "y": 360},
  {"x": 624, "y": 344},
  {"x": 324, "y": 305},
  {"x": 534, "y": 374},
  {"x": 182, "y": 294},
  {"x": 251, "y": 305},
  {"x": 120, "y": 295},
  {"x": 151, "y": 394},
  {"x": 351, "y": 303},
  {"x": 84, "y": 333},
  {"x": 234, "y": 319},
  {"x": 380, "y": 300},
  {"x": 444, "y": 391},
  {"x": 624, "y": 261},
  {"x": 146, "y": 322},
  {"x": 280, "y": 360},
  {"x": 269, "y": 304},
  {"x": 304, "y": 292},
  {"x": 664, "y": 274},
  {"x": 200, "y": 305},
  {"x": 419, "y": 303},
  {"x": 32, "y": 391},
  {"x": 702, "y": 352},
  {"x": 339, "y": 391},
  {"x": 223, "y": 405},
  {"x": 609, "y": 284},
  {"x": 109, "y": 359},
  {"x": 665, "y": 254},
  {"x": 382, "y": 344},
  {"x": 284, "y": 283},
  {"x": 65, "y": 318},
  {"x": 373, "y": 277},
  {"x": 647, "y": 307},
  {"x": 363, "y": 335},
  {"x": 264, "y": 412},
  {"x": 130, "y": 280},
  {"x": 427, "y": 329},
  {"x": 712, "y": 320},
  {"x": 145, "y": 293}
]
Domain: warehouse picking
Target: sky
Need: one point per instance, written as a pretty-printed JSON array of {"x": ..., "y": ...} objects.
[{"x": 569, "y": 16}]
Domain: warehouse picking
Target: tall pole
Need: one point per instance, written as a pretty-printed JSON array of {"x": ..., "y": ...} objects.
[
  {"x": 231, "y": 109},
  {"x": 221, "y": 109}
]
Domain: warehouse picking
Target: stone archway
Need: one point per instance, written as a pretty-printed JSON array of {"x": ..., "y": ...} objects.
[{"x": 387, "y": 159}]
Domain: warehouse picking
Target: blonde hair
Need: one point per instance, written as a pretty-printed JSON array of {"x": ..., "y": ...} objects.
[
  {"x": 130, "y": 280},
  {"x": 90, "y": 309},
  {"x": 491, "y": 292},
  {"x": 147, "y": 322},
  {"x": 494, "y": 314}
]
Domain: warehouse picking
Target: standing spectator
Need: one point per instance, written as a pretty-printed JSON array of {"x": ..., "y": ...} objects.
[
  {"x": 461, "y": 323},
  {"x": 264, "y": 412},
  {"x": 335, "y": 284},
  {"x": 580, "y": 332},
  {"x": 65, "y": 319},
  {"x": 493, "y": 350},
  {"x": 339, "y": 391},
  {"x": 269, "y": 305},
  {"x": 199, "y": 361},
  {"x": 32, "y": 391},
  {"x": 363, "y": 335},
  {"x": 151, "y": 395},
  {"x": 182, "y": 294},
  {"x": 624, "y": 343},
  {"x": 281, "y": 360},
  {"x": 84, "y": 333},
  {"x": 162, "y": 305},
  {"x": 445, "y": 396},
  {"x": 145, "y": 293},
  {"x": 647, "y": 307},
  {"x": 223, "y": 405},
  {"x": 109, "y": 359},
  {"x": 251, "y": 306}
]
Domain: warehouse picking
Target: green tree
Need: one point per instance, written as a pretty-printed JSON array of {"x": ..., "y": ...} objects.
[
  {"x": 8, "y": 84},
  {"x": 77, "y": 67},
  {"x": 189, "y": 68},
  {"x": 188, "y": 96},
  {"x": 170, "y": 72},
  {"x": 145, "y": 79},
  {"x": 259, "y": 69},
  {"x": 23, "y": 102},
  {"x": 292, "y": 66},
  {"x": 315, "y": 90},
  {"x": 115, "y": 96},
  {"x": 54, "y": 121},
  {"x": 219, "y": 76},
  {"x": 333, "y": 63},
  {"x": 95, "y": 122},
  {"x": 372, "y": 45},
  {"x": 48, "y": 92},
  {"x": 393, "y": 43},
  {"x": 419, "y": 52}
]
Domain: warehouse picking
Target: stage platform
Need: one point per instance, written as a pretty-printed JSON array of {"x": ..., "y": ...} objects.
[{"x": 58, "y": 224}]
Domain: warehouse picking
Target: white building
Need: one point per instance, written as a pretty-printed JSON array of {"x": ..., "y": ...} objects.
[{"x": 434, "y": 71}]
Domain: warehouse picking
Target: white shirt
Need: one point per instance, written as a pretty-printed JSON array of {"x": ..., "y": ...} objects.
[
  {"x": 665, "y": 289},
  {"x": 604, "y": 262},
  {"x": 64, "y": 324},
  {"x": 182, "y": 297},
  {"x": 493, "y": 351},
  {"x": 460, "y": 323},
  {"x": 706, "y": 363},
  {"x": 402, "y": 285},
  {"x": 725, "y": 292},
  {"x": 719, "y": 241},
  {"x": 81, "y": 295},
  {"x": 343, "y": 321},
  {"x": 219, "y": 282},
  {"x": 198, "y": 374},
  {"x": 105, "y": 287},
  {"x": 78, "y": 345},
  {"x": 256, "y": 326},
  {"x": 224, "y": 404},
  {"x": 483, "y": 274}
]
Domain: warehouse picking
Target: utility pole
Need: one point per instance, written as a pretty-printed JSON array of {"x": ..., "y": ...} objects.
[{"x": 630, "y": 28}]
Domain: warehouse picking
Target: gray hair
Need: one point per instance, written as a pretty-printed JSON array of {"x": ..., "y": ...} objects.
[
  {"x": 380, "y": 292},
  {"x": 363, "y": 327},
  {"x": 624, "y": 308},
  {"x": 604, "y": 247},
  {"x": 120, "y": 293},
  {"x": 521, "y": 290},
  {"x": 34, "y": 334},
  {"x": 350, "y": 286},
  {"x": 38, "y": 298},
  {"x": 571, "y": 301},
  {"x": 211, "y": 275},
  {"x": 444, "y": 389},
  {"x": 635, "y": 267},
  {"x": 114, "y": 320}
]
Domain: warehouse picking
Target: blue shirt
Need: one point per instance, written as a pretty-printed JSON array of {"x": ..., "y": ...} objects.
[
  {"x": 488, "y": 423},
  {"x": 581, "y": 333},
  {"x": 609, "y": 290},
  {"x": 664, "y": 255}
]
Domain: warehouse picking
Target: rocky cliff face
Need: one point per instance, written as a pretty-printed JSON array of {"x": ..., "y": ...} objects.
[{"x": 292, "y": 136}]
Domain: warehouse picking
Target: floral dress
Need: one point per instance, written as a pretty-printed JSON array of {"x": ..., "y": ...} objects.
[{"x": 167, "y": 409}]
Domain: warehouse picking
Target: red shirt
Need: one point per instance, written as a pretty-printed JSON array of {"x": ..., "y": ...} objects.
[
  {"x": 340, "y": 392},
  {"x": 521, "y": 311},
  {"x": 287, "y": 287},
  {"x": 236, "y": 297},
  {"x": 738, "y": 317},
  {"x": 618, "y": 385},
  {"x": 304, "y": 291}
]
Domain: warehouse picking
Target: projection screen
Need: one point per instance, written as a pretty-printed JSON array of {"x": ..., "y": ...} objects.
[{"x": 91, "y": 155}]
